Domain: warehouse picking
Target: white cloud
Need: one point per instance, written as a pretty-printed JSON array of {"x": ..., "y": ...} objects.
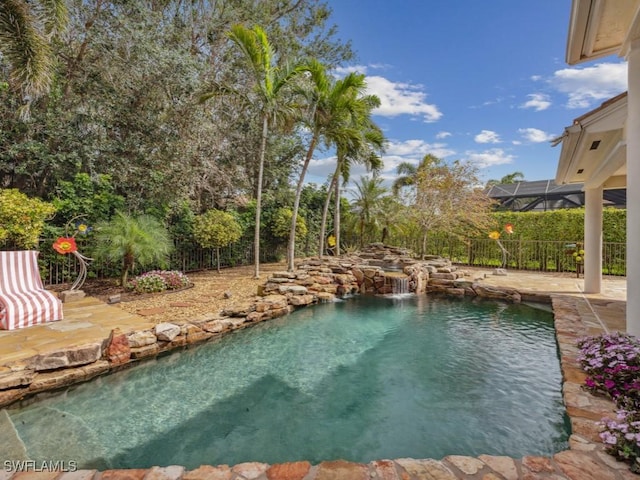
[
  {"x": 537, "y": 101},
  {"x": 489, "y": 158},
  {"x": 397, "y": 152},
  {"x": 589, "y": 85},
  {"x": 399, "y": 98},
  {"x": 487, "y": 136},
  {"x": 417, "y": 149},
  {"x": 536, "y": 78},
  {"x": 343, "y": 71},
  {"x": 535, "y": 135},
  {"x": 441, "y": 135},
  {"x": 396, "y": 98}
]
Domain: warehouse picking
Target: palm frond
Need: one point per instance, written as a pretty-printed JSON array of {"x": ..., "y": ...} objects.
[
  {"x": 25, "y": 48},
  {"x": 55, "y": 16}
]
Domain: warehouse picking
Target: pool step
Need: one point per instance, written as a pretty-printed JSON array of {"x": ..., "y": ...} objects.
[{"x": 11, "y": 445}]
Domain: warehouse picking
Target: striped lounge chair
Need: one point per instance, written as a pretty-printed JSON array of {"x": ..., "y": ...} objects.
[{"x": 23, "y": 300}]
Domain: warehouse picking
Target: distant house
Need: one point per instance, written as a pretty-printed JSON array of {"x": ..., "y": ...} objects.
[{"x": 543, "y": 195}]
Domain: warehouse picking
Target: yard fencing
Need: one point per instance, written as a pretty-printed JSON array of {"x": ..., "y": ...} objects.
[
  {"x": 545, "y": 256},
  {"x": 537, "y": 255}
]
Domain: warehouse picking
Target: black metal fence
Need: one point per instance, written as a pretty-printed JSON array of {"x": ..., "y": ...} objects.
[
  {"x": 187, "y": 256},
  {"x": 537, "y": 255},
  {"x": 545, "y": 256}
]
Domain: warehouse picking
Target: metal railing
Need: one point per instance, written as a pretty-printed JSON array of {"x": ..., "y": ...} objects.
[
  {"x": 536, "y": 255},
  {"x": 187, "y": 257}
]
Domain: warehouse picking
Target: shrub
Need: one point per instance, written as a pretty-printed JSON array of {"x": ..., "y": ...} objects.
[
  {"x": 158, "y": 281},
  {"x": 216, "y": 229},
  {"x": 22, "y": 218}
]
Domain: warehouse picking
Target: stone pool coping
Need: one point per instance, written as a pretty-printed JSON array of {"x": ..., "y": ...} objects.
[{"x": 584, "y": 460}]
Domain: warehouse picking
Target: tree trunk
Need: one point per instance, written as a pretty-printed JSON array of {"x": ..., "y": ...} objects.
[
  {"x": 127, "y": 264},
  {"x": 336, "y": 219},
  {"x": 291, "y": 249},
  {"x": 424, "y": 243},
  {"x": 256, "y": 237},
  {"x": 218, "y": 257},
  {"x": 325, "y": 212}
]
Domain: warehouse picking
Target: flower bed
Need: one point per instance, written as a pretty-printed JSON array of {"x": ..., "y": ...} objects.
[
  {"x": 158, "y": 281},
  {"x": 612, "y": 363}
]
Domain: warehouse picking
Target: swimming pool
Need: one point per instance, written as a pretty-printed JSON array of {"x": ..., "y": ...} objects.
[{"x": 360, "y": 379}]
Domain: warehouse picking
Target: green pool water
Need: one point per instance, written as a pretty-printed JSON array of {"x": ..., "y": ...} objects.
[{"x": 361, "y": 379}]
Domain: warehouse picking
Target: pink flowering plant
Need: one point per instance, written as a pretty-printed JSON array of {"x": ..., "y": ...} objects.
[
  {"x": 612, "y": 363},
  {"x": 158, "y": 281},
  {"x": 622, "y": 437}
]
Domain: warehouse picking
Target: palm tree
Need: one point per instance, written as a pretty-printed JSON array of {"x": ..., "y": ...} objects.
[
  {"x": 332, "y": 103},
  {"x": 126, "y": 239},
  {"x": 26, "y": 28},
  {"x": 367, "y": 203},
  {"x": 408, "y": 172},
  {"x": 359, "y": 141},
  {"x": 270, "y": 81},
  {"x": 509, "y": 178}
]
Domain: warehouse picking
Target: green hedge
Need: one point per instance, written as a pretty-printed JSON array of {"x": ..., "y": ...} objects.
[{"x": 562, "y": 225}]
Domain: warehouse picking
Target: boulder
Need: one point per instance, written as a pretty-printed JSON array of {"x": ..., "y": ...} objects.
[
  {"x": 166, "y": 332},
  {"x": 142, "y": 339},
  {"x": 72, "y": 357},
  {"x": 118, "y": 350}
]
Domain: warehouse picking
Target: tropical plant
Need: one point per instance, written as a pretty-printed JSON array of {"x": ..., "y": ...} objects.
[
  {"x": 130, "y": 240},
  {"x": 335, "y": 105},
  {"x": 369, "y": 194},
  {"x": 216, "y": 229},
  {"x": 270, "y": 80},
  {"x": 359, "y": 140},
  {"x": 509, "y": 178}
]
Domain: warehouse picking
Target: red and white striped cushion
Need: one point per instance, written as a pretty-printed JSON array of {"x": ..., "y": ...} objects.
[{"x": 23, "y": 300}]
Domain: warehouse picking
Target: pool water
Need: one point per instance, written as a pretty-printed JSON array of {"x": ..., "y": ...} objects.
[{"x": 361, "y": 379}]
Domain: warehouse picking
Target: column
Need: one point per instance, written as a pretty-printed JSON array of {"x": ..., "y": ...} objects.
[
  {"x": 593, "y": 240},
  {"x": 633, "y": 191}
]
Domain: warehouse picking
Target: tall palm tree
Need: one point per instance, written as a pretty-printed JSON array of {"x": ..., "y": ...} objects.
[
  {"x": 270, "y": 80},
  {"x": 332, "y": 103},
  {"x": 360, "y": 140},
  {"x": 368, "y": 202},
  {"x": 26, "y": 28}
]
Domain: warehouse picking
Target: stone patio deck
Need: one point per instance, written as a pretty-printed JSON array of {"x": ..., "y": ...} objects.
[{"x": 576, "y": 314}]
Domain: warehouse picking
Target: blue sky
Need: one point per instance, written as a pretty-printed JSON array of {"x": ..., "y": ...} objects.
[{"x": 478, "y": 81}]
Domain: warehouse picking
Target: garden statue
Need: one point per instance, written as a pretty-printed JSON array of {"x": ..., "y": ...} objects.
[
  {"x": 67, "y": 244},
  {"x": 495, "y": 235}
]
